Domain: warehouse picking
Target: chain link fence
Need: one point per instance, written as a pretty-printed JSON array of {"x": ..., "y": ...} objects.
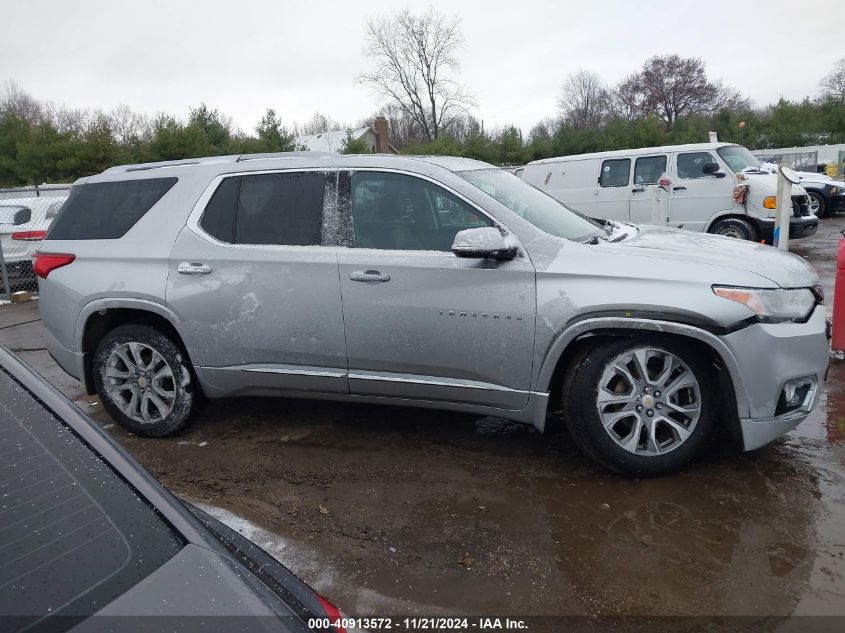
[
  {"x": 799, "y": 161},
  {"x": 25, "y": 216}
]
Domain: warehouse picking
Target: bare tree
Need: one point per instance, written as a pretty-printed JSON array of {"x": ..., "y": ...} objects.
[
  {"x": 627, "y": 99},
  {"x": 19, "y": 103},
  {"x": 318, "y": 124},
  {"x": 833, "y": 84},
  {"x": 415, "y": 68},
  {"x": 584, "y": 100},
  {"x": 671, "y": 86},
  {"x": 128, "y": 126}
]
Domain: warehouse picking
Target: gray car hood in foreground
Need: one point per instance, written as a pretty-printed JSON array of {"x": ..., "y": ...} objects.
[{"x": 784, "y": 269}]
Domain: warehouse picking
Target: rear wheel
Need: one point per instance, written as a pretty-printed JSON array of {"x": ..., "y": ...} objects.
[
  {"x": 818, "y": 207},
  {"x": 144, "y": 381},
  {"x": 738, "y": 228},
  {"x": 640, "y": 406}
]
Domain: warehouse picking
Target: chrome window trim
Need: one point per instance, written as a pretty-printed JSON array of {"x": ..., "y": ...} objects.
[{"x": 193, "y": 221}]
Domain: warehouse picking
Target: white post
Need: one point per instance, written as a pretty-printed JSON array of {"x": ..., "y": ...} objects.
[{"x": 780, "y": 238}]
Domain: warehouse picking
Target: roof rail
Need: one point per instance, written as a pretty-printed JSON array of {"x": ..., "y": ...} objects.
[
  {"x": 235, "y": 158},
  {"x": 244, "y": 157},
  {"x": 172, "y": 163}
]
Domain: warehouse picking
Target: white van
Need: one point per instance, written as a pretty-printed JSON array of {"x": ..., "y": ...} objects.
[{"x": 716, "y": 187}]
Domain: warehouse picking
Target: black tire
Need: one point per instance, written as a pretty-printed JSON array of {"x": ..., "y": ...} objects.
[
  {"x": 739, "y": 228},
  {"x": 581, "y": 410},
  {"x": 181, "y": 381},
  {"x": 819, "y": 198}
]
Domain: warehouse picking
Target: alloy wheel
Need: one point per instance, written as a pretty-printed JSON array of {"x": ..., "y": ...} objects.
[
  {"x": 649, "y": 401},
  {"x": 140, "y": 382}
]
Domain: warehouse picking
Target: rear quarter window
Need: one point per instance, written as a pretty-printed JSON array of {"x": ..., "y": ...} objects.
[{"x": 107, "y": 210}]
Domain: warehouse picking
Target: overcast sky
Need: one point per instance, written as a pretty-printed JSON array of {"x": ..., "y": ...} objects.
[{"x": 302, "y": 57}]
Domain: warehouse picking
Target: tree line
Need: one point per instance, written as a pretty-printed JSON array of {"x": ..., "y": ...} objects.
[{"x": 415, "y": 76}]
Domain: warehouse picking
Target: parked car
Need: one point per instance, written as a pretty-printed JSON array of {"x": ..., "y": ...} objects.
[
  {"x": 827, "y": 196},
  {"x": 707, "y": 192},
  {"x": 432, "y": 282},
  {"x": 23, "y": 224},
  {"x": 89, "y": 538}
]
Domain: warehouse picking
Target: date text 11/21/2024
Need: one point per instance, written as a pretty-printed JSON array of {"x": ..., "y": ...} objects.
[{"x": 419, "y": 624}]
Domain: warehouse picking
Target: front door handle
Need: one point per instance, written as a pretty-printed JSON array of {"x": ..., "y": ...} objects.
[
  {"x": 638, "y": 189},
  {"x": 369, "y": 276},
  {"x": 679, "y": 188},
  {"x": 186, "y": 268}
]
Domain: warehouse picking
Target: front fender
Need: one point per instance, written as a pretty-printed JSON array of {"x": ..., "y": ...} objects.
[{"x": 557, "y": 351}]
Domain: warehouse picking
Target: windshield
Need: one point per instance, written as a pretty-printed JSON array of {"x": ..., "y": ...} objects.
[
  {"x": 534, "y": 206},
  {"x": 738, "y": 158}
]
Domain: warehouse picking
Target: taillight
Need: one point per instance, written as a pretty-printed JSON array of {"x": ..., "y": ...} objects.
[
  {"x": 29, "y": 236},
  {"x": 46, "y": 262},
  {"x": 334, "y": 614}
]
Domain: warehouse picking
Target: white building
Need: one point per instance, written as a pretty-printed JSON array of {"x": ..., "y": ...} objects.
[{"x": 375, "y": 136}]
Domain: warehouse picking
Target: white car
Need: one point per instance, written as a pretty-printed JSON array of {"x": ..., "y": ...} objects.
[{"x": 23, "y": 224}]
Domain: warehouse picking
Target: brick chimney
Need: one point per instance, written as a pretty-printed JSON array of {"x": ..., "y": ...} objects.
[{"x": 382, "y": 136}]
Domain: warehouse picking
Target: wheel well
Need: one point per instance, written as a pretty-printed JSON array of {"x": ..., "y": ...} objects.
[
  {"x": 102, "y": 322},
  {"x": 581, "y": 344},
  {"x": 734, "y": 216}
]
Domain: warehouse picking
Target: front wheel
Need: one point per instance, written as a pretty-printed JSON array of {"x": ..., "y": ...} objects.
[
  {"x": 818, "y": 207},
  {"x": 144, "y": 381},
  {"x": 738, "y": 228},
  {"x": 640, "y": 407}
]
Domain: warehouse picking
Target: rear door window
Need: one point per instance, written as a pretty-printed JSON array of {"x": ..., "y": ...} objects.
[
  {"x": 282, "y": 208},
  {"x": 615, "y": 173},
  {"x": 107, "y": 210},
  {"x": 218, "y": 219},
  {"x": 648, "y": 169}
]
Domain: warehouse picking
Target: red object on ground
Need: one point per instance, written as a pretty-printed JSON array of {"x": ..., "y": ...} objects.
[{"x": 838, "y": 342}]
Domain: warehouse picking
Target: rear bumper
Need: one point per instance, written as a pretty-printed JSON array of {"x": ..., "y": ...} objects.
[
  {"x": 799, "y": 228},
  {"x": 70, "y": 361}
]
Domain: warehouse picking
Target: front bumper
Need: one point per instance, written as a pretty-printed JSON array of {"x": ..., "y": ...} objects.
[
  {"x": 799, "y": 228},
  {"x": 769, "y": 355}
]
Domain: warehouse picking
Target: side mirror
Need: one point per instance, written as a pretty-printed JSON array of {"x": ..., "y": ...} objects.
[
  {"x": 712, "y": 169},
  {"x": 483, "y": 243}
]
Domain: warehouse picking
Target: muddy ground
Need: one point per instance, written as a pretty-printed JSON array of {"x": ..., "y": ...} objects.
[{"x": 398, "y": 511}]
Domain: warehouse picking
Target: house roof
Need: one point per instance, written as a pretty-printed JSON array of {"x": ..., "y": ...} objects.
[{"x": 327, "y": 141}]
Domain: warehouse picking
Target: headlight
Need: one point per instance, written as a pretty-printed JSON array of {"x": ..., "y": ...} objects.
[
  {"x": 836, "y": 190},
  {"x": 771, "y": 305},
  {"x": 770, "y": 202}
]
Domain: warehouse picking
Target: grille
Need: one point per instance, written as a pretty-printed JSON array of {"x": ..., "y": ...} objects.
[{"x": 800, "y": 206}]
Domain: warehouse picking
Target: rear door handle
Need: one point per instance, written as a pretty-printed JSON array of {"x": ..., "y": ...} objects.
[
  {"x": 369, "y": 276},
  {"x": 679, "y": 188},
  {"x": 186, "y": 268}
]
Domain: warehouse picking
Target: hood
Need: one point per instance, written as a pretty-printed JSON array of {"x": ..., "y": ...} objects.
[
  {"x": 769, "y": 180},
  {"x": 785, "y": 269}
]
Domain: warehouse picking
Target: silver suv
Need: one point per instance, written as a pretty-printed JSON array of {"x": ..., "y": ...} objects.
[{"x": 429, "y": 282}]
